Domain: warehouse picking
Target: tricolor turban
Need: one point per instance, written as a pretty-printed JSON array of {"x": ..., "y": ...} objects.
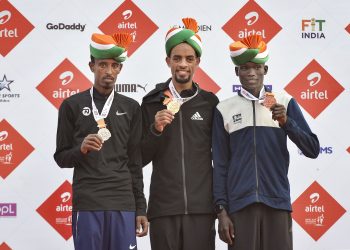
[
  {"x": 188, "y": 35},
  {"x": 110, "y": 46},
  {"x": 250, "y": 49}
]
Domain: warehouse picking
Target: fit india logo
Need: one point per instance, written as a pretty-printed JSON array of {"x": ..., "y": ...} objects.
[
  {"x": 312, "y": 28},
  {"x": 64, "y": 81},
  {"x": 4, "y": 246},
  {"x": 130, "y": 18},
  {"x": 314, "y": 88},
  {"x": 316, "y": 211},
  {"x": 249, "y": 20},
  {"x": 57, "y": 210},
  {"x": 205, "y": 81},
  {"x": 13, "y": 149},
  {"x": 14, "y": 27}
]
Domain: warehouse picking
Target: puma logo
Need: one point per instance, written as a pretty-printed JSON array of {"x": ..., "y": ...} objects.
[{"x": 142, "y": 87}]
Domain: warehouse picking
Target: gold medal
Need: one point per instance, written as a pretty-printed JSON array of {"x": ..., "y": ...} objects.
[{"x": 173, "y": 106}]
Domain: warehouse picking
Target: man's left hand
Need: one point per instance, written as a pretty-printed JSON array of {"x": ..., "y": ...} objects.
[
  {"x": 279, "y": 113},
  {"x": 141, "y": 226}
]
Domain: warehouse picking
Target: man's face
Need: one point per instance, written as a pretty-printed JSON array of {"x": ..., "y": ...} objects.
[
  {"x": 106, "y": 72},
  {"x": 183, "y": 63},
  {"x": 251, "y": 75}
]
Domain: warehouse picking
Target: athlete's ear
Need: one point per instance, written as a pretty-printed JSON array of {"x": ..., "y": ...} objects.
[
  {"x": 266, "y": 68},
  {"x": 167, "y": 59},
  {"x": 91, "y": 65}
]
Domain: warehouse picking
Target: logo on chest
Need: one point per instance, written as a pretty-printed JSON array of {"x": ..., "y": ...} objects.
[{"x": 237, "y": 118}]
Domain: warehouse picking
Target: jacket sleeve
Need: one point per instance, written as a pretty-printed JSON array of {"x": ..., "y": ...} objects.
[
  {"x": 221, "y": 158},
  {"x": 150, "y": 138},
  {"x": 299, "y": 132},
  {"x": 67, "y": 154},
  {"x": 135, "y": 161}
]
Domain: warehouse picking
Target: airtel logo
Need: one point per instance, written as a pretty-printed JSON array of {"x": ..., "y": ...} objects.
[
  {"x": 3, "y": 135},
  {"x": 251, "y": 17},
  {"x": 127, "y": 14},
  {"x": 314, "y": 197},
  {"x": 65, "y": 196},
  {"x": 314, "y": 78},
  {"x": 66, "y": 77},
  {"x": 5, "y": 16}
]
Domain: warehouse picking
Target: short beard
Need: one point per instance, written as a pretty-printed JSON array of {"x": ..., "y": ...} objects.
[{"x": 182, "y": 80}]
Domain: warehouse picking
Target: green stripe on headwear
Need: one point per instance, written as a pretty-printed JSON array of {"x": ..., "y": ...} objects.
[
  {"x": 249, "y": 56},
  {"x": 112, "y": 53},
  {"x": 181, "y": 37}
]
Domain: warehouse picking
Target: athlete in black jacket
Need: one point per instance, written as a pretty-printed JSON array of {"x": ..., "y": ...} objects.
[
  {"x": 177, "y": 122},
  {"x": 98, "y": 134}
]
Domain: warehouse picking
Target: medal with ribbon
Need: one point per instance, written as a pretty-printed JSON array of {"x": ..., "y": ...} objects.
[
  {"x": 266, "y": 99},
  {"x": 99, "y": 118},
  {"x": 173, "y": 100}
]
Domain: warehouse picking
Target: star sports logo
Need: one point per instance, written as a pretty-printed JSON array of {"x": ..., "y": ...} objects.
[
  {"x": 5, "y": 90},
  {"x": 249, "y": 20},
  {"x": 64, "y": 81},
  {"x": 14, "y": 27},
  {"x": 316, "y": 211},
  {"x": 314, "y": 88},
  {"x": 130, "y": 18}
]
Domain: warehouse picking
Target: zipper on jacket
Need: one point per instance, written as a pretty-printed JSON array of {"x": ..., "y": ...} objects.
[
  {"x": 255, "y": 156},
  {"x": 183, "y": 162}
]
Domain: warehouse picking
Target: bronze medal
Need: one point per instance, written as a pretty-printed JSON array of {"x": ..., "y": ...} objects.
[{"x": 269, "y": 100}]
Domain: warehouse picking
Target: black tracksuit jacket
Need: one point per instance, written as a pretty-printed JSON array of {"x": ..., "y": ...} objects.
[
  {"x": 181, "y": 156},
  {"x": 109, "y": 179}
]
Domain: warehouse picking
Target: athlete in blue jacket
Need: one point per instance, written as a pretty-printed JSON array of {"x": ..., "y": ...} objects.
[{"x": 251, "y": 158}]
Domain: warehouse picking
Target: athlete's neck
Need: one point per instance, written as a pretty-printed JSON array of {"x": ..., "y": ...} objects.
[{"x": 182, "y": 86}]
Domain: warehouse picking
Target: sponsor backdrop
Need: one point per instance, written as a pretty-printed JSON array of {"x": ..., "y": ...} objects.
[{"x": 44, "y": 54}]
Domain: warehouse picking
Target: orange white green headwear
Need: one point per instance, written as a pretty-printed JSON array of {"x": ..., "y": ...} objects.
[
  {"x": 188, "y": 35},
  {"x": 110, "y": 46},
  {"x": 250, "y": 49}
]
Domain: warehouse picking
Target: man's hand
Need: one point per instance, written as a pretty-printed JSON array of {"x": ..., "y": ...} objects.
[
  {"x": 226, "y": 232},
  {"x": 141, "y": 226},
  {"x": 92, "y": 142},
  {"x": 162, "y": 118},
  {"x": 279, "y": 113}
]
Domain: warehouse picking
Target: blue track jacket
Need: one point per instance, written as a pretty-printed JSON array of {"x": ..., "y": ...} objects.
[{"x": 250, "y": 153}]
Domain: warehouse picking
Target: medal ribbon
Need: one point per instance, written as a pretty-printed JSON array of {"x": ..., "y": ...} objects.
[
  {"x": 176, "y": 95},
  {"x": 105, "y": 109},
  {"x": 249, "y": 96}
]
